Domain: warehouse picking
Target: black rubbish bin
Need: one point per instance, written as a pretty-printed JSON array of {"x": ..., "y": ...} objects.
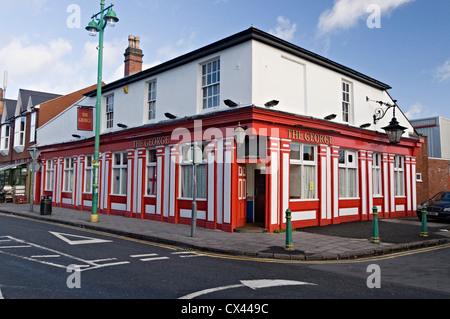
[{"x": 46, "y": 205}]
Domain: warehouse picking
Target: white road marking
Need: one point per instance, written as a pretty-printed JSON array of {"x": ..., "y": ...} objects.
[
  {"x": 143, "y": 255},
  {"x": 100, "y": 260},
  {"x": 187, "y": 254},
  {"x": 84, "y": 240},
  {"x": 89, "y": 265},
  {"x": 253, "y": 284},
  {"x": 154, "y": 258},
  {"x": 46, "y": 256}
]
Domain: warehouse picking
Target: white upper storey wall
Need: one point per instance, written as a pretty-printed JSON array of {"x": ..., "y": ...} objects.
[
  {"x": 252, "y": 72},
  {"x": 309, "y": 89}
]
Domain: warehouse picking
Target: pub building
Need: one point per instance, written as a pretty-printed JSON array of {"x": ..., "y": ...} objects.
[{"x": 270, "y": 126}]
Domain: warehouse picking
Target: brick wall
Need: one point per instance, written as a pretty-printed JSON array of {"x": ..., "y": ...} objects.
[
  {"x": 438, "y": 174},
  {"x": 435, "y": 174}
]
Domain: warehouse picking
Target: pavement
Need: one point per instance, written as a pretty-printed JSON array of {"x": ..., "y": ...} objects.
[{"x": 332, "y": 242}]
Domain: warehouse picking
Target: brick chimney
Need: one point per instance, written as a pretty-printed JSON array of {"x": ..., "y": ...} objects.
[{"x": 133, "y": 56}]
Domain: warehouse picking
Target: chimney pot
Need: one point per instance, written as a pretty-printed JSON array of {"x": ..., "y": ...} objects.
[{"x": 133, "y": 56}]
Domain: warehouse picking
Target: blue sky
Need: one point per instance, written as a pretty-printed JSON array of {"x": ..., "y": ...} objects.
[{"x": 45, "y": 47}]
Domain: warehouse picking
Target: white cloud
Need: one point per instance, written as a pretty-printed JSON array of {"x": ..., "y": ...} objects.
[
  {"x": 285, "y": 29},
  {"x": 56, "y": 66},
  {"x": 443, "y": 72},
  {"x": 346, "y": 14},
  {"x": 22, "y": 58},
  {"x": 416, "y": 111}
]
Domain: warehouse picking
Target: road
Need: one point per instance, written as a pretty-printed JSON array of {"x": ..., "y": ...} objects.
[{"x": 43, "y": 261}]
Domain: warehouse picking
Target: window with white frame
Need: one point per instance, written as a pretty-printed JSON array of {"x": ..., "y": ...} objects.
[
  {"x": 399, "y": 175},
  {"x": 211, "y": 84},
  {"x": 419, "y": 177},
  {"x": 68, "y": 174},
  {"x": 19, "y": 134},
  {"x": 33, "y": 127},
  {"x": 348, "y": 174},
  {"x": 152, "y": 99},
  {"x": 110, "y": 111},
  {"x": 5, "y": 138},
  {"x": 49, "y": 175},
  {"x": 151, "y": 172},
  {"x": 120, "y": 173},
  {"x": 187, "y": 171},
  {"x": 377, "y": 178},
  {"x": 303, "y": 172},
  {"x": 88, "y": 171},
  {"x": 346, "y": 100}
]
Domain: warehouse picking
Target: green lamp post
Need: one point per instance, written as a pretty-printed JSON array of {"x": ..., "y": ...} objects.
[{"x": 97, "y": 25}]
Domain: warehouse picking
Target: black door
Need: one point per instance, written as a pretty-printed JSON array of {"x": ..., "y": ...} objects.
[{"x": 260, "y": 197}]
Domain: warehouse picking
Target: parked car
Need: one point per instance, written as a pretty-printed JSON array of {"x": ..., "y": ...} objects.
[{"x": 438, "y": 207}]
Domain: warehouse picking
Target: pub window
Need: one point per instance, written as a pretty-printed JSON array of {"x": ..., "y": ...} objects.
[
  {"x": 211, "y": 84},
  {"x": 68, "y": 174},
  {"x": 399, "y": 175},
  {"x": 49, "y": 176},
  {"x": 346, "y": 101},
  {"x": 187, "y": 171},
  {"x": 120, "y": 173},
  {"x": 348, "y": 174},
  {"x": 88, "y": 169},
  {"x": 152, "y": 100},
  {"x": 254, "y": 147},
  {"x": 303, "y": 172},
  {"x": 110, "y": 111},
  {"x": 151, "y": 172},
  {"x": 376, "y": 167}
]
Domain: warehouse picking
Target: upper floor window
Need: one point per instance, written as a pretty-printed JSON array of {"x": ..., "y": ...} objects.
[
  {"x": 346, "y": 101},
  {"x": 19, "y": 134},
  {"x": 110, "y": 111},
  {"x": 152, "y": 100},
  {"x": 211, "y": 84},
  {"x": 348, "y": 174},
  {"x": 33, "y": 127},
  {"x": 4, "y": 146}
]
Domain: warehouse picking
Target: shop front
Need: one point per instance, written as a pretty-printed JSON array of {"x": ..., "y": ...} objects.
[{"x": 324, "y": 172}]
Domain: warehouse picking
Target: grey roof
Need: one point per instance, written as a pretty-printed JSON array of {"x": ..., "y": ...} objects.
[
  {"x": 9, "y": 108},
  {"x": 36, "y": 98}
]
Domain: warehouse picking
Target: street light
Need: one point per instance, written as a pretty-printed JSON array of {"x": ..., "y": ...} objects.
[
  {"x": 394, "y": 130},
  {"x": 97, "y": 25}
]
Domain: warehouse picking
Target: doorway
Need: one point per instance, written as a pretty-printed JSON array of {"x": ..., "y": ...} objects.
[{"x": 260, "y": 197}]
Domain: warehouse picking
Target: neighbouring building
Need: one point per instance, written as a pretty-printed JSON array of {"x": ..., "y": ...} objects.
[
  {"x": 267, "y": 125},
  {"x": 19, "y": 123},
  {"x": 433, "y": 168},
  {"x": 17, "y": 135}
]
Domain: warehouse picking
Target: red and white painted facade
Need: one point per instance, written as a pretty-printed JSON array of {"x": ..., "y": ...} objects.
[{"x": 144, "y": 169}]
